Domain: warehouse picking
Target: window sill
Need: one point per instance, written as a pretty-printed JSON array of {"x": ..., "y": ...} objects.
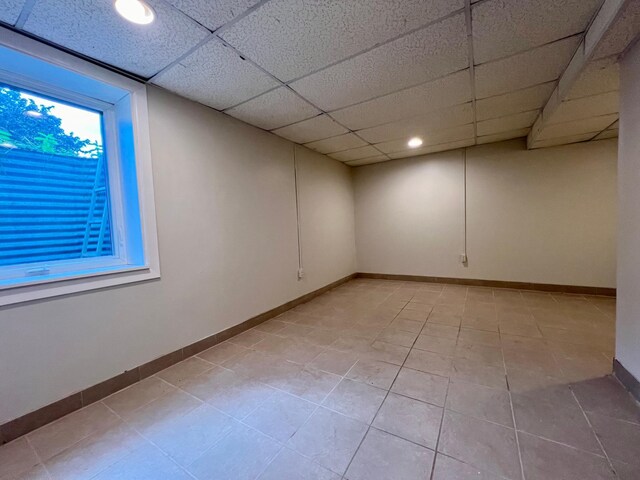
[{"x": 46, "y": 288}]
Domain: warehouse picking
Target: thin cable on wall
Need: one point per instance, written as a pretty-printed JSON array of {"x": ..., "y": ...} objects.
[
  {"x": 295, "y": 181},
  {"x": 464, "y": 259}
]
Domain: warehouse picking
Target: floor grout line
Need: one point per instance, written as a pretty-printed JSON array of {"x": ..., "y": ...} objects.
[
  {"x": 446, "y": 395},
  {"x": 40, "y": 461},
  {"x": 126, "y": 422},
  {"x": 593, "y": 430},
  {"x": 513, "y": 414},
  {"x": 437, "y": 445},
  {"x": 381, "y": 404}
]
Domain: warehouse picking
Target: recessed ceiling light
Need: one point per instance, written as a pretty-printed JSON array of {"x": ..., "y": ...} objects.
[
  {"x": 415, "y": 142},
  {"x": 135, "y": 11}
]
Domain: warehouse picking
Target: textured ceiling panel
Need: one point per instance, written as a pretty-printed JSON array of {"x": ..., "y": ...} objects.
[
  {"x": 515, "y": 102},
  {"x": 10, "y": 10},
  {"x": 419, "y": 126},
  {"x": 525, "y": 69},
  {"x": 315, "y": 128},
  {"x": 292, "y": 38},
  {"x": 502, "y": 136},
  {"x": 622, "y": 33},
  {"x": 386, "y": 69},
  {"x": 452, "y": 90},
  {"x": 552, "y": 142},
  {"x": 504, "y": 124},
  {"x": 356, "y": 153},
  {"x": 578, "y": 127},
  {"x": 585, "y": 107},
  {"x": 433, "y": 138},
  {"x": 274, "y": 109},
  {"x": 213, "y": 13},
  {"x": 93, "y": 28},
  {"x": 368, "y": 161},
  {"x": 433, "y": 149},
  {"x": 427, "y": 54},
  {"x": 506, "y": 27},
  {"x": 599, "y": 76},
  {"x": 337, "y": 144},
  {"x": 609, "y": 133},
  {"x": 216, "y": 76}
]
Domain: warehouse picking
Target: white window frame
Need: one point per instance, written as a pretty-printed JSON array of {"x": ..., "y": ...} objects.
[{"x": 123, "y": 103}]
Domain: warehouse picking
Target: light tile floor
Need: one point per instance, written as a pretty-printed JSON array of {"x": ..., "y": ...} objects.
[{"x": 373, "y": 380}]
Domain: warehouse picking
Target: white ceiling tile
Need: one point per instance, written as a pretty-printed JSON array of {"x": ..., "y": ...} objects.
[
  {"x": 216, "y": 76},
  {"x": 502, "y": 136},
  {"x": 213, "y": 14},
  {"x": 337, "y": 144},
  {"x": 452, "y": 90},
  {"x": 515, "y": 102},
  {"x": 355, "y": 154},
  {"x": 585, "y": 107},
  {"x": 427, "y": 54},
  {"x": 448, "y": 135},
  {"x": 292, "y": 38},
  {"x": 10, "y": 10},
  {"x": 420, "y": 126},
  {"x": 621, "y": 33},
  {"x": 504, "y": 124},
  {"x": 315, "y": 128},
  {"x": 95, "y": 29},
  {"x": 506, "y": 27},
  {"x": 443, "y": 147},
  {"x": 609, "y": 133},
  {"x": 553, "y": 142},
  {"x": 536, "y": 66},
  {"x": 578, "y": 127},
  {"x": 368, "y": 161},
  {"x": 274, "y": 109},
  {"x": 599, "y": 76}
]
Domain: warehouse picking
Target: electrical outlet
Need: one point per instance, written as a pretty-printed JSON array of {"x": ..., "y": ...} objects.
[
  {"x": 463, "y": 258},
  {"x": 300, "y": 273}
]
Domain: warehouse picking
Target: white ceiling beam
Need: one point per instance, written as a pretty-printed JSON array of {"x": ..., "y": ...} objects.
[{"x": 601, "y": 23}]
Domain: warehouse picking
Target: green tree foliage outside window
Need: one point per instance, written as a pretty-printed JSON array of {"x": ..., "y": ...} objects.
[{"x": 27, "y": 126}]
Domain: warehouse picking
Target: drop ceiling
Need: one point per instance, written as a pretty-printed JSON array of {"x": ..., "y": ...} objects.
[{"x": 355, "y": 79}]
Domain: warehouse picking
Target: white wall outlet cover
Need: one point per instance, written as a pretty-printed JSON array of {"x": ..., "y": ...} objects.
[{"x": 300, "y": 273}]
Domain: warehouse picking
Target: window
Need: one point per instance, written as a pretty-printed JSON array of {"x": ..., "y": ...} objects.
[
  {"x": 54, "y": 193},
  {"x": 76, "y": 196}
]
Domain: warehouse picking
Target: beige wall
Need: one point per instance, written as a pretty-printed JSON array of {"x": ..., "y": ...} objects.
[
  {"x": 628, "y": 305},
  {"x": 225, "y": 202},
  {"x": 543, "y": 216}
]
